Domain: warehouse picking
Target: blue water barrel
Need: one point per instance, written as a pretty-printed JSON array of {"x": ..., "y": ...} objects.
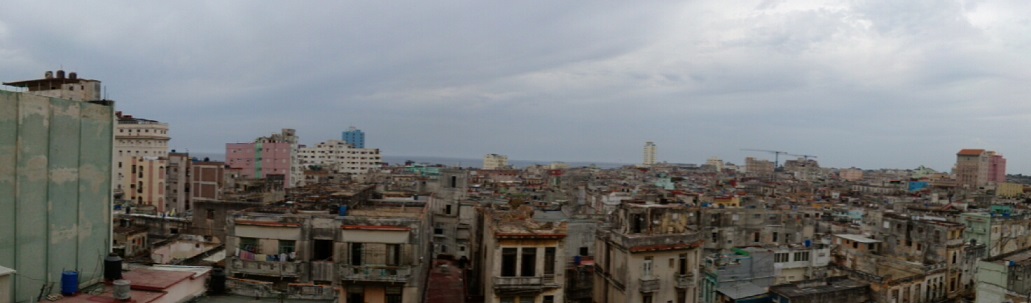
[
  {"x": 808, "y": 243},
  {"x": 69, "y": 283},
  {"x": 576, "y": 260},
  {"x": 343, "y": 210}
]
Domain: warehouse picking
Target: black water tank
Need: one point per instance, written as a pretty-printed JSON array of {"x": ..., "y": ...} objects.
[
  {"x": 218, "y": 282},
  {"x": 112, "y": 267}
]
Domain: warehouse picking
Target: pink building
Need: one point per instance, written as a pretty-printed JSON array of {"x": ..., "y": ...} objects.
[
  {"x": 996, "y": 168},
  {"x": 273, "y": 156}
]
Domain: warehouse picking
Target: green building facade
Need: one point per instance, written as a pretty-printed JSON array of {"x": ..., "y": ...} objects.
[{"x": 55, "y": 189}]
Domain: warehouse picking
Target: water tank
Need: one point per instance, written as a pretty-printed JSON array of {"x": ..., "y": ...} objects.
[
  {"x": 73, "y": 76},
  {"x": 576, "y": 260},
  {"x": 808, "y": 243},
  {"x": 69, "y": 283},
  {"x": 218, "y": 282},
  {"x": 60, "y": 74},
  {"x": 48, "y": 75},
  {"x": 112, "y": 267},
  {"x": 343, "y": 210},
  {"x": 121, "y": 290}
]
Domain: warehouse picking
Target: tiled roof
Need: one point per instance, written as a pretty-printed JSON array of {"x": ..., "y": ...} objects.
[{"x": 970, "y": 152}]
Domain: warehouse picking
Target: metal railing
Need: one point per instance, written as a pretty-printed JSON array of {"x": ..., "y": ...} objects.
[
  {"x": 267, "y": 268},
  {"x": 649, "y": 284},
  {"x": 376, "y": 273}
]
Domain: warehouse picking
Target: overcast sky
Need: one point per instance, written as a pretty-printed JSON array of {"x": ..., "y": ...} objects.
[{"x": 871, "y": 84}]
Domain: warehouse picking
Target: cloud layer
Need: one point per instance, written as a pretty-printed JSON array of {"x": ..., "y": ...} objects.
[{"x": 859, "y": 83}]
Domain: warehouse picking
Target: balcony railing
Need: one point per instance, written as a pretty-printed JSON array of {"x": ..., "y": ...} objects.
[
  {"x": 267, "y": 268},
  {"x": 322, "y": 270},
  {"x": 649, "y": 284},
  {"x": 375, "y": 273},
  {"x": 685, "y": 281},
  {"x": 504, "y": 283}
]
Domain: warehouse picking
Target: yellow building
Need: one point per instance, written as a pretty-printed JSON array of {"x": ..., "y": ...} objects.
[{"x": 1009, "y": 190}]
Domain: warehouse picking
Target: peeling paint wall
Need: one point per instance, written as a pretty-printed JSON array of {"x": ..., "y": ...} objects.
[{"x": 55, "y": 189}]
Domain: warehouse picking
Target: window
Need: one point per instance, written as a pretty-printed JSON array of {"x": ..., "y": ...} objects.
[
  {"x": 249, "y": 244},
  {"x": 646, "y": 267},
  {"x": 583, "y": 251},
  {"x": 548, "y": 299},
  {"x": 394, "y": 254},
  {"x": 683, "y": 264},
  {"x": 802, "y": 256},
  {"x": 529, "y": 266},
  {"x": 774, "y": 236},
  {"x": 508, "y": 262},
  {"x": 286, "y": 246},
  {"x": 549, "y": 260},
  {"x": 356, "y": 254},
  {"x": 447, "y": 209},
  {"x": 393, "y": 295},
  {"x": 646, "y": 298},
  {"x": 780, "y": 257}
]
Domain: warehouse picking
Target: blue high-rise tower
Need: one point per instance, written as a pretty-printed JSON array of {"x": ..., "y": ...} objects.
[{"x": 355, "y": 137}]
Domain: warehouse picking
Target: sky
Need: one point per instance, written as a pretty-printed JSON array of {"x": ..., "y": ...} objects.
[{"x": 869, "y": 84}]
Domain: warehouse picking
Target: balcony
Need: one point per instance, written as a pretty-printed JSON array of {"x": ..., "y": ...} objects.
[
  {"x": 504, "y": 285},
  {"x": 649, "y": 284},
  {"x": 322, "y": 270},
  {"x": 685, "y": 281},
  {"x": 267, "y": 268},
  {"x": 375, "y": 273}
]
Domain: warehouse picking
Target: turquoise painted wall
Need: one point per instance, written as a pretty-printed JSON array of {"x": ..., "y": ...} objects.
[{"x": 55, "y": 189}]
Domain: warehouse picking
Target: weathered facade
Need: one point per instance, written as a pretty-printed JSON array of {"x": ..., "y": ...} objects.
[
  {"x": 55, "y": 188},
  {"x": 648, "y": 253}
]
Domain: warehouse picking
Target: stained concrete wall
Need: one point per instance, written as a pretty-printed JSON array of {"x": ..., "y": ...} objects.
[{"x": 55, "y": 189}]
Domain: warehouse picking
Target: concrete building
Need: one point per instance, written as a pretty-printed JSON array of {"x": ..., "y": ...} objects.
[
  {"x": 837, "y": 289},
  {"x": 714, "y": 163},
  {"x": 372, "y": 252},
  {"x": 1004, "y": 278},
  {"x": 339, "y": 157},
  {"x": 851, "y": 174},
  {"x": 761, "y": 168},
  {"x": 522, "y": 257},
  {"x": 648, "y": 253},
  {"x": 177, "y": 182},
  {"x": 56, "y": 85},
  {"x": 972, "y": 167},
  {"x": 353, "y": 136},
  {"x": 207, "y": 180},
  {"x": 55, "y": 185},
  {"x": 649, "y": 153},
  {"x": 495, "y": 161},
  {"x": 996, "y": 168},
  {"x": 1000, "y": 232},
  {"x": 266, "y": 157},
  {"x": 141, "y": 155}
]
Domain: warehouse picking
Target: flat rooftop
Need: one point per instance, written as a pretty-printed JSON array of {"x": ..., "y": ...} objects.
[
  {"x": 857, "y": 238},
  {"x": 806, "y": 288}
]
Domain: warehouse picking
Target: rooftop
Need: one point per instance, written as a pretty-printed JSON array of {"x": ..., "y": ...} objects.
[
  {"x": 857, "y": 238},
  {"x": 970, "y": 152},
  {"x": 805, "y": 288}
]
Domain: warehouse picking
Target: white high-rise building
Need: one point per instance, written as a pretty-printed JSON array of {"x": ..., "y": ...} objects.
[
  {"x": 341, "y": 157},
  {"x": 495, "y": 161},
  {"x": 649, "y": 153}
]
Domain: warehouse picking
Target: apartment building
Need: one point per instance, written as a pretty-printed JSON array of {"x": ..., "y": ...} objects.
[
  {"x": 340, "y": 157},
  {"x": 757, "y": 167},
  {"x": 728, "y": 228},
  {"x": 177, "y": 182},
  {"x": 274, "y": 157},
  {"x": 522, "y": 257},
  {"x": 495, "y": 161},
  {"x": 369, "y": 251},
  {"x": 649, "y": 153},
  {"x": 648, "y": 253},
  {"x": 141, "y": 156},
  {"x": 972, "y": 167}
]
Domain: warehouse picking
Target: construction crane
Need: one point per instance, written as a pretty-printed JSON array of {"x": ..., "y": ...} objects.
[
  {"x": 776, "y": 155},
  {"x": 805, "y": 157}
]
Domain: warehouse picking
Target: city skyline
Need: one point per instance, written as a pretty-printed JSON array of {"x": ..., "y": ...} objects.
[{"x": 870, "y": 85}]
